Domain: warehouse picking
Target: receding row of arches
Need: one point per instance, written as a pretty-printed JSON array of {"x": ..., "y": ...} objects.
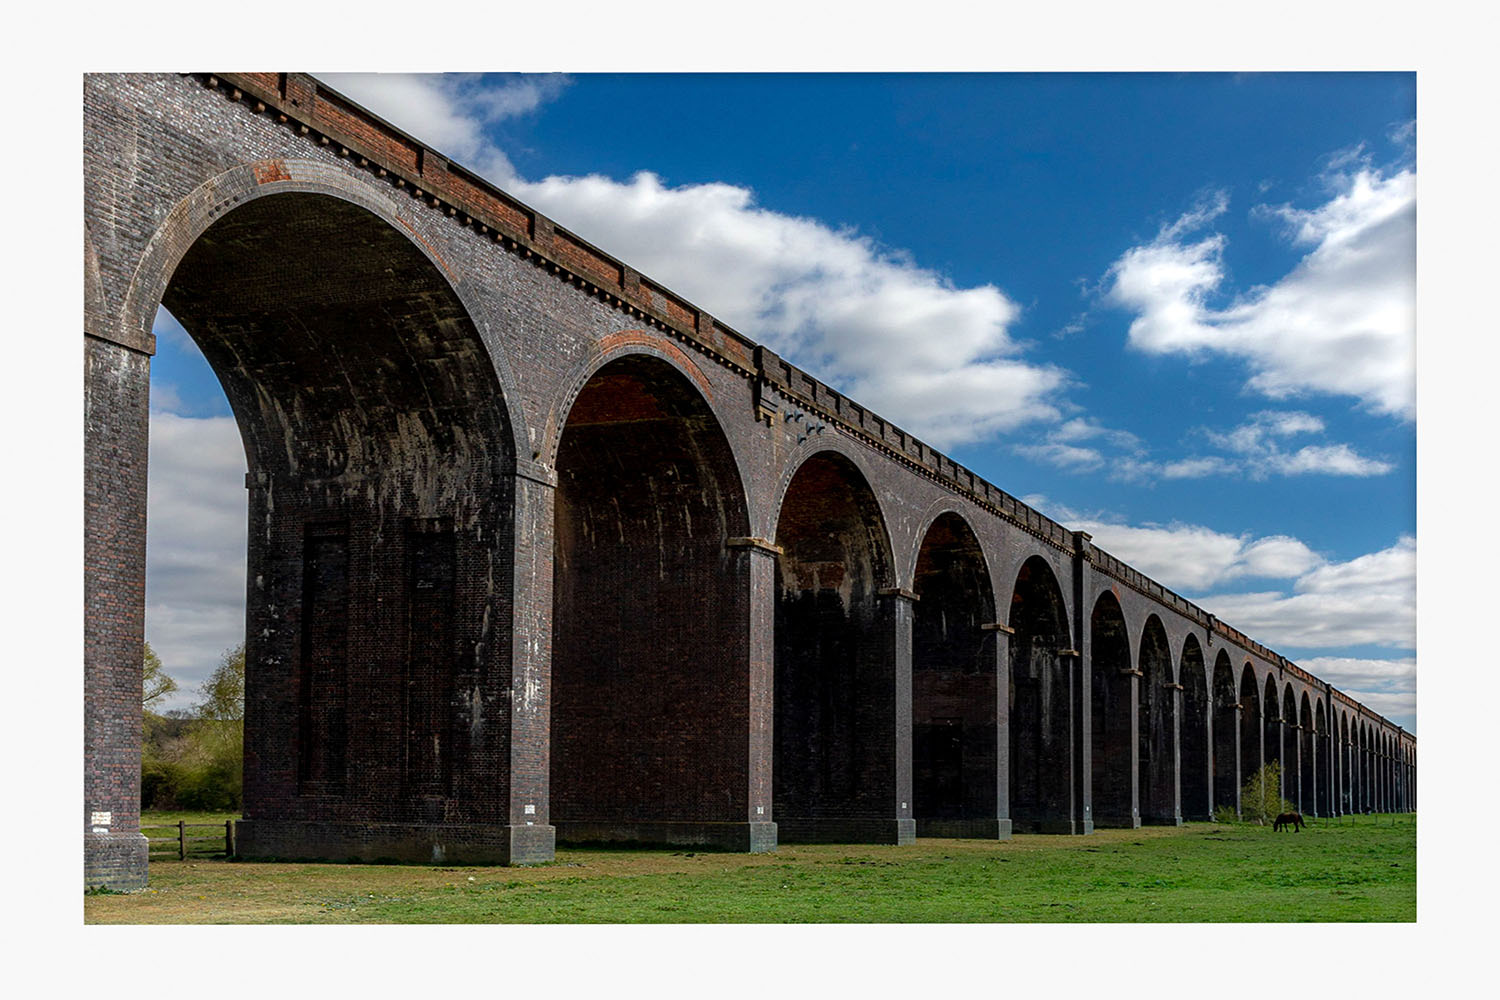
[
  {"x": 380, "y": 623},
  {"x": 992, "y": 728}
]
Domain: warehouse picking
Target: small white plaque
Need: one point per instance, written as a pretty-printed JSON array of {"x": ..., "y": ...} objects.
[
  {"x": 100, "y": 818},
  {"x": 760, "y": 810},
  {"x": 531, "y": 810}
]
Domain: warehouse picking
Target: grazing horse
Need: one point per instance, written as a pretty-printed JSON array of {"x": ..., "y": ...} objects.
[{"x": 1289, "y": 821}]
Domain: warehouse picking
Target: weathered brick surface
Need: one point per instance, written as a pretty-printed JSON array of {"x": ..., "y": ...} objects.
[
  {"x": 115, "y": 401},
  {"x": 515, "y": 513}
]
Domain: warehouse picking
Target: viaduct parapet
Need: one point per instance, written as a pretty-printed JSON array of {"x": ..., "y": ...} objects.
[{"x": 540, "y": 551}]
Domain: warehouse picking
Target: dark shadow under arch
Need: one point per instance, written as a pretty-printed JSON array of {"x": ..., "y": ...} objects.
[
  {"x": 1197, "y": 758},
  {"x": 381, "y": 511},
  {"x": 955, "y": 693},
  {"x": 1225, "y": 735},
  {"x": 1306, "y": 764},
  {"x": 1112, "y": 692},
  {"x": 1321, "y": 802},
  {"x": 836, "y": 738},
  {"x": 1156, "y": 724},
  {"x": 650, "y": 694},
  {"x": 1250, "y": 727},
  {"x": 1040, "y": 674}
]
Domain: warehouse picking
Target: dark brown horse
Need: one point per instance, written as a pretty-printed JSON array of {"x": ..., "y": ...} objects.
[{"x": 1289, "y": 821}]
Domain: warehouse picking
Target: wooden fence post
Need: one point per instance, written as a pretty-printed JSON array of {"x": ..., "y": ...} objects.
[
  {"x": 229, "y": 838},
  {"x": 181, "y": 840}
]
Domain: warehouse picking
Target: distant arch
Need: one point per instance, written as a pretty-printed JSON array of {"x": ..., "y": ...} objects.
[
  {"x": 955, "y": 685},
  {"x": 1226, "y": 735},
  {"x": 1250, "y": 727},
  {"x": 1156, "y": 725},
  {"x": 1111, "y": 689},
  {"x": 1306, "y": 764},
  {"x": 1271, "y": 727},
  {"x": 835, "y": 682},
  {"x": 1197, "y": 756},
  {"x": 1040, "y": 651}
]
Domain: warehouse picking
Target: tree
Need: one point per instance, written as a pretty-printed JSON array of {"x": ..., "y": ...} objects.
[
  {"x": 223, "y": 694},
  {"x": 218, "y": 735},
  {"x": 156, "y": 683},
  {"x": 195, "y": 759},
  {"x": 1260, "y": 799}
]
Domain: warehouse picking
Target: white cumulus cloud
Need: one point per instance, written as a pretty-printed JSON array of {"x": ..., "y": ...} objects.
[
  {"x": 1367, "y": 601},
  {"x": 901, "y": 338},
  {"x": 1342, "y": 321},
  {"x": 1256, "y": 449},
  {"x": 195, "y": 546}
]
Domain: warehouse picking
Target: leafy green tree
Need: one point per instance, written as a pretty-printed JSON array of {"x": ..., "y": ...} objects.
[
  {"x": 156, "y": 683},
  {"x": 195, "y": 759},
  {"x": 159, "y": 770},
  {"x": 218, "y": 737},
  {"x": 1260, "y": 799},
  {"x": 223, "y": 694}
]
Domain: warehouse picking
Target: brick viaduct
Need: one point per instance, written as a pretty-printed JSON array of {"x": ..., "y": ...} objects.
[{"x": 539, "y": 551}]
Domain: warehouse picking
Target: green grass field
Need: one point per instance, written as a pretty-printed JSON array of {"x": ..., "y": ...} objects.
[{"x": 1361, "y": 869}]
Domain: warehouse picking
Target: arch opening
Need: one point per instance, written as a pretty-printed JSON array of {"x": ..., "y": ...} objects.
[
  {"x": 1321, "y": 785},
  {"x": 955, "y": 693},
  {"x": 1040, "y": 754},
  {"x": 650, "y": 613},
  {"x": 1291, "y": 773},
  {"x": 835, "y": 736},
  {"x": 1271, "y": 727},
  {"x": 1250, "y": 726},
  {"x": 380, "y": 509},
  {"x": 1346, "y": 799},
  {"x": 1157, "y": 728},
  {"x": 1307, "y": 770},
  {"x": 1197, "y": 756},
  {"x": 1225, "y": 735},
  {"x": 1112, "y": 692}
]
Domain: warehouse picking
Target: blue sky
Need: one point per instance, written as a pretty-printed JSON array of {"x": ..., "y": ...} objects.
[{"x": 1176, "y": 310}]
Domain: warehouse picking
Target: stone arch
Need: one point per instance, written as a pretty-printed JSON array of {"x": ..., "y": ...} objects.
[
  {"x": 650, "y": 689},
  {"x": 1250, "y": 726},
  {"x": 1366, "y": 768},
  {"x": 1271, "y": 725},
  {"x": 1385, "y": 772},
  {"x": 859, "y": 462},
  {"x": 1306, "y": 763},
  {"x": 610, "y": 348},
  {"x": 380, "y": 443},
  {"x": 837, "y": 738},
  {"x": 1197, "y": 756},
  {"x": 244, "y": 183},
  {"x": 1321, "y": 800},
  {"x": 1346, "y": 799},
  {"x": 1226, "y": 734},
  {"x": 1156, "y": 725},
  {"x": 1040, "y": 668},
  {"x": 1112, "y": 676},
  {"x": 955, "y": 693},
  {"x": 1291, "y": 745}
]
